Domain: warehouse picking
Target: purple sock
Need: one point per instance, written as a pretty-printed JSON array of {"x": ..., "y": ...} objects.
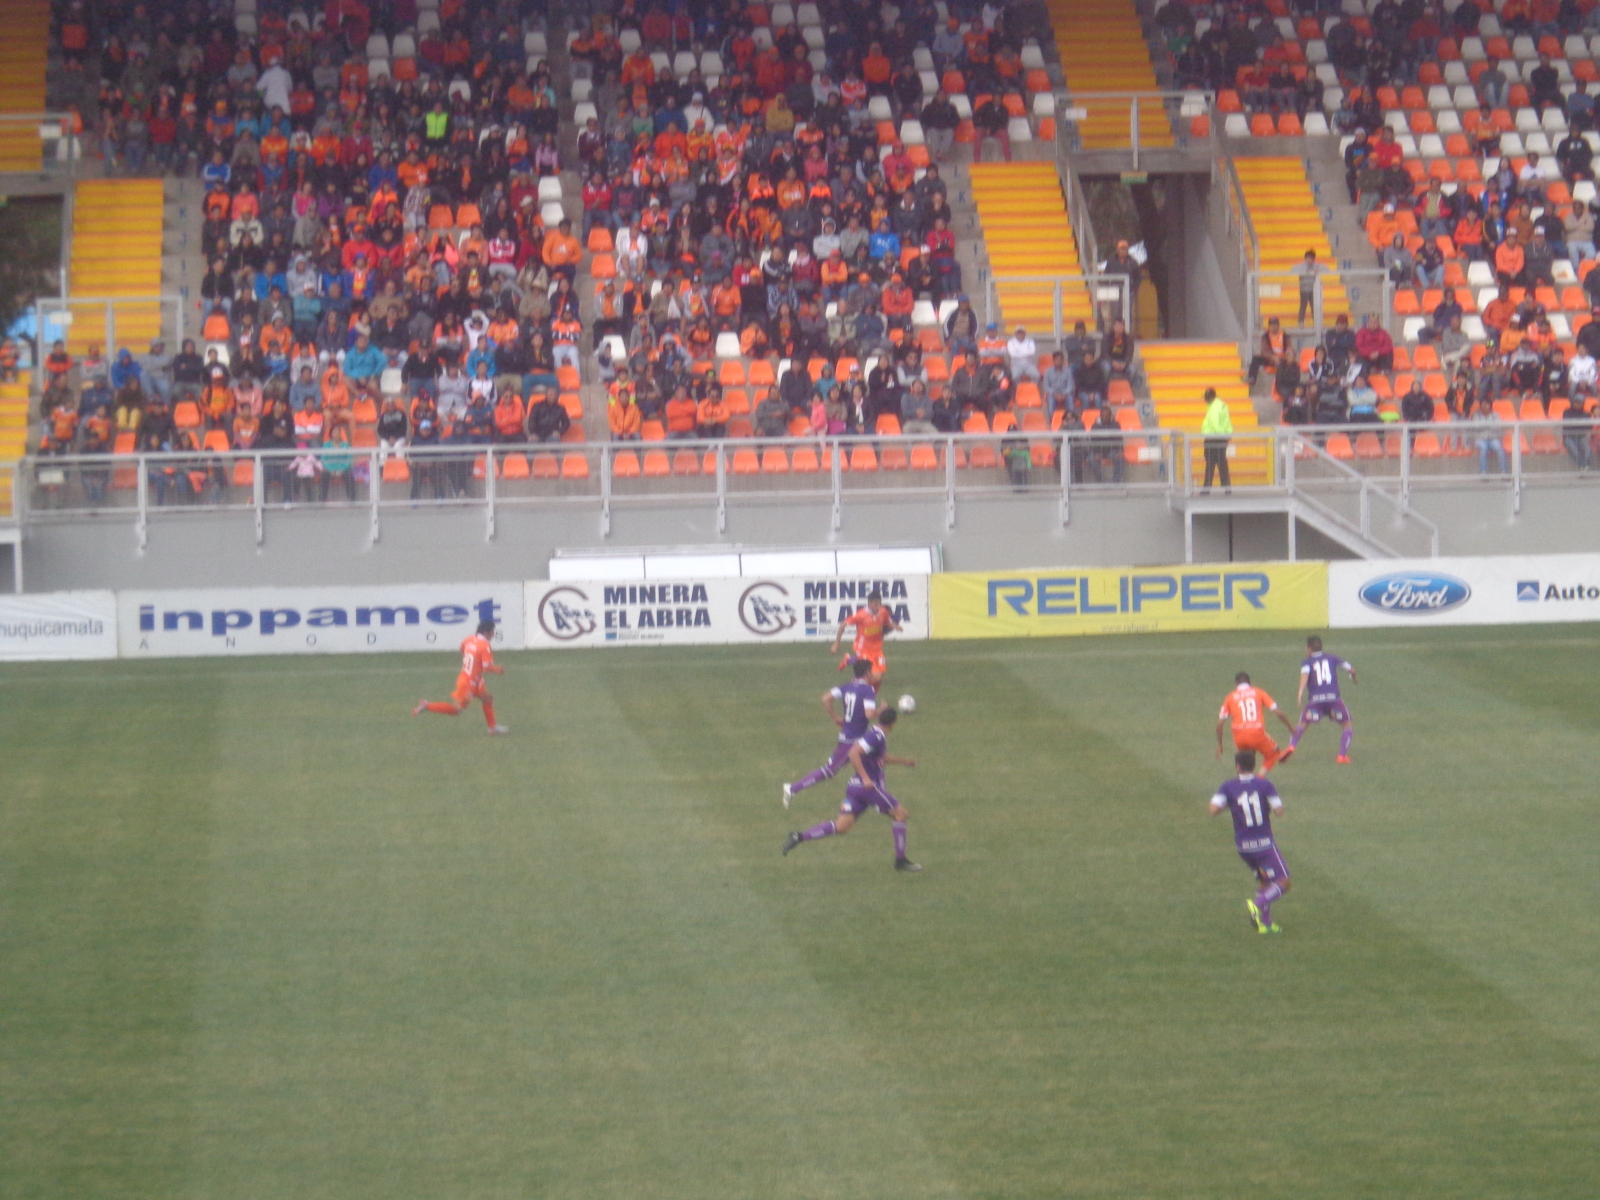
[
  {"x": 810, "y": 780},
  {"x": 1264, "y": 899},
  {"x": 899, "y": 839},
  {"x": 1294, "y": 738},
  {"x": 1344, "y": 740},
  {"x": 826, "y": 829}
]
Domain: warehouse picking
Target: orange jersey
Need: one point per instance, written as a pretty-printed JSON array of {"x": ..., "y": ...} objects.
[
  {"x": 1247, "y": 707},
  {"x": 869, "y": 629},
  {"x": 476, "y": 656}
]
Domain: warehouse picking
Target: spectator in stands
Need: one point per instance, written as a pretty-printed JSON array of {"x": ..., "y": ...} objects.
[
  {"x": 1023, "y": 355},
  {"x": 547, "y": 420},
  {"x": 1435, "y": 212},
  {"x": 1583, "y": 375},
  {"x": 1089, "y": 382},
  {"x": 1373, "y": 345},
  {"x": 1493, "y": 86},
  {"x": 1056, "y": 386},
  {"x": 1539, "y": 261},
  {"x": 1454, "y": 345},
  {"x": 1577, "y": 435},
  {"x": 1578, "y": 231},
  {"x": 1510, "y": 261},
  {"x": 1575, "y": 157},
  {"x": 1544, "y": 86},
  {"x": 1363, "y": 400},
  {"x": 1307, "y": 272},
  {"x": 991, "y": 120},
  {"x": 939, "y": 122},
  {"x": 1119, "y": 350},
  {"x": 1272, "y": 350},
  {"x": 1489, "y": 438},
  {"x": 1356, "y": 155}
]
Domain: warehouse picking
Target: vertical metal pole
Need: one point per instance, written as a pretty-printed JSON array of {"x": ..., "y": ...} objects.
[
  {"x": 142, "y": 527},
  {"x": 1405, "y": 469},
  {"x": 258, "y": 498},
  {"x": 1293, "y": 556},
  {"x": 605, "y": 489},
  {"x": 838, "y": 487},
  {"x": 1064, "y": 460},
  {"x": 722, "y": 489},
  {"x": 1516, "y": 468},
  {"x": 110, "y": 348},
  {"x": 374, "y": 492},
  {"x": 949, "y": 483},
  {"x": 1188, "y": 535},
  {"x": 488, "y": 493},
  {"x": 1055, "y": 310},
  {"x": 1133, "y": 130},
  {"x": 1366, "y": 510},
  {"x": 68, "y": 201}
]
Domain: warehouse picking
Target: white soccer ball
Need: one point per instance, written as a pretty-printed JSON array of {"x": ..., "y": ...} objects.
[{"x": 907, "y": 704}]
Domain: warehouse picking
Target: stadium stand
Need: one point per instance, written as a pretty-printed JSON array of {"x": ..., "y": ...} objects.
[
  {"x": 1178, "y": 375},
  {"x": 23, "y": 41},
  {"x": 116, "y": 252},
  {"x": 1102, "y": 48},
  {"x": 1025, "y": 230},
  {"x": 1287, "y": 223}
]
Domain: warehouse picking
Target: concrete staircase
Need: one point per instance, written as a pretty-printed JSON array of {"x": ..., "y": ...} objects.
[
  {"x": 1178, "y": 373},
  {"x": 1025, "y": 230},
  {"x": 24, "y": 36}
]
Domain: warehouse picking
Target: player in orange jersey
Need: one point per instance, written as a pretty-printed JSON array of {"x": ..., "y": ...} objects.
[
  {"x": 1247, "y": 707},
  {"x": 870, "y": 624},
  {"x": 477, "y": 658}
]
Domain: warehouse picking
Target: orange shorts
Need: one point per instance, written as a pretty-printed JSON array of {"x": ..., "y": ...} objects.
[
  {"x": 466, "y": 689},
  {"x": 1254, "y": 739}
]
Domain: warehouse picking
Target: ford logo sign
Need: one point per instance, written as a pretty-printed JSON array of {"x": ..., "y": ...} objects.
[{"x": 1415, "y": 593}]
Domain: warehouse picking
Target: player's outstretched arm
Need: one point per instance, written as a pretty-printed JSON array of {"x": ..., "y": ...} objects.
[
  {"x": 1287, "y": 724},
  {"x": 859, "y": 767},
  {"x": 827, "y": 707},
  {"x": 496, "y": 669},
  {"x": 899, "y": 762},
  {"x": 1351, "y": 671},
  {"x": 1220, "y": 726},
  {"x": 1300, "y": 696}
]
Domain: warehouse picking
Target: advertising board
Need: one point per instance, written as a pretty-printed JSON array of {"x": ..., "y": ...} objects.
[
  {"x": 310, "y": 620},
  {"x": 58, "y": 625},
  {"x": 710, "y": 611},
  {"x": 1506, "y": 590}
]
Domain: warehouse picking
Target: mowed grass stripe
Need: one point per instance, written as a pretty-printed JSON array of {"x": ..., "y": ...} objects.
[{"x": 104, "y": 820}]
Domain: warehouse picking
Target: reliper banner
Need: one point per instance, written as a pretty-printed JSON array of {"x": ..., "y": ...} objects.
[
  {"x": 309, "y": 620},
  {"x": 58, "y": 625},
  {"x": 685, "y": 612},
  {"x": 1507, "y": 590},
  {"x": 1069, "y": 601}
]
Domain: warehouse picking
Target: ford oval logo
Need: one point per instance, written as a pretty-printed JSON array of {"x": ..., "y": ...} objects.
[{"x": 1415, "y": 593}]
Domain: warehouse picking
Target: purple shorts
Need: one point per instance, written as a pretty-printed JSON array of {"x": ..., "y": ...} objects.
[
  {"x": 1267, "y": 862},
  {"x": 1334, "y": 710},
  {"x": 858, "y": 797}
]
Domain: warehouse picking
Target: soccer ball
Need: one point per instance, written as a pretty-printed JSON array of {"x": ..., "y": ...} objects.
[{"x": 907, "y": 704}]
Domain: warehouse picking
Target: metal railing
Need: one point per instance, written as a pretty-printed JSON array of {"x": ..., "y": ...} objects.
[
  {"x": 1078, "y": 215},
  {"x": 157, "y": 485},
  {"x": 1105, "y": 293},
  {"x": 1073, "y": 108},
  {"x": 1261, "y": 285},
  {"x": 60, "y": 149},
  {"x": 57, "y": 316}
]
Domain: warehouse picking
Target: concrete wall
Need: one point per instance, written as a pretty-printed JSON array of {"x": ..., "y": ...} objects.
[{"x": 306, "y": 546}]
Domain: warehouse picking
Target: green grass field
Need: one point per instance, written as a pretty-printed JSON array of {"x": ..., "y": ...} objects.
[{"x": 262, "y": 935}]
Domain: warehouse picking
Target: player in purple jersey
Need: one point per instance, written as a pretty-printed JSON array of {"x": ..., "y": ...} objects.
[
  {"x": 856, "y": 702},
  {"x": 1319, "y": 678},
  {"x": 869, "y": 754},
  {"x": 1253, "y": 801}
]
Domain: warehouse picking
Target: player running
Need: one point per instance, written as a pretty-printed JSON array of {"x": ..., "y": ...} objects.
[
  {"x": 1320, "y": 675},
  {"x": 1247, "y": 707},
  {"x": 868, "y": 756},
  {"x": 858, "y": 700},
  {"x": 1254, "y": 801},
  {"x": 870, "y": 624},
  {"x": 477, "y": 657}
]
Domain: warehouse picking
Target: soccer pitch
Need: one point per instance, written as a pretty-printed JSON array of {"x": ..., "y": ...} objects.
[{"x": 264, "y": 935}]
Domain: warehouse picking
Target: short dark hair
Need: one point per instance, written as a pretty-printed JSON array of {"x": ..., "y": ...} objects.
[
  {"x": 1314, "y": 643},
  {"x": 1245, "y": 760},
  {"x": 1241, "y": 677},
  {"x": 875, "y": 594},
  {"x": 887, "y": 717},
  {"x": 861, "y": 667},
  {"x": 485, "y": 627}
]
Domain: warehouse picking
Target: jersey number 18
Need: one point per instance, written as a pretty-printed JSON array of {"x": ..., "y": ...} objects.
[{"x": 1248, "y": 710}]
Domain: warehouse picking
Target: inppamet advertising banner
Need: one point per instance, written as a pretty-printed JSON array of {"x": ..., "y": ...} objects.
[
  {"x": 1071, "y": 601},
  {"x": 314, "y": 620},
  {"x": 684, "y": 612},
  {"x": 58, "y": 625},
  {"x": 1508, "y": 590}
]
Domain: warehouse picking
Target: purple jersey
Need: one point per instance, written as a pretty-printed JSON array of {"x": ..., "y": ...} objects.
[
  {"x": 874, "y": 745},
  {"x": 1251, "y": 800},
  {"x": 1322, "y": 676},
  {"x": 857, "y": 700}
]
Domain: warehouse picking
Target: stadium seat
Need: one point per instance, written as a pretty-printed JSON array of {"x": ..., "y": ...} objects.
[{"x": 656, "y": 463}]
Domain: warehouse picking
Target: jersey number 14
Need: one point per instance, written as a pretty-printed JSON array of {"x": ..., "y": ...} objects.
[{"x": 1322, "y": 670}]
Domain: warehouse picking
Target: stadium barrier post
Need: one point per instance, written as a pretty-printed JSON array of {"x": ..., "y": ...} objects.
[
  {"x": 489, "y": 495},
  {"x": 605, "y": 489},
  {"x": 1405, "y": 471},
  {"x": 374, "y": 493},
  {"x": 1516, "y": 468},
  {"x": 949, "y": 484},
  {"x": 722, "y": 489},
  {"x": 838, "y": 490},
  {"x": 1064, "y": 463},
  {"x": 258, "y": 498},
  {"x": 142, "y": 494}
]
